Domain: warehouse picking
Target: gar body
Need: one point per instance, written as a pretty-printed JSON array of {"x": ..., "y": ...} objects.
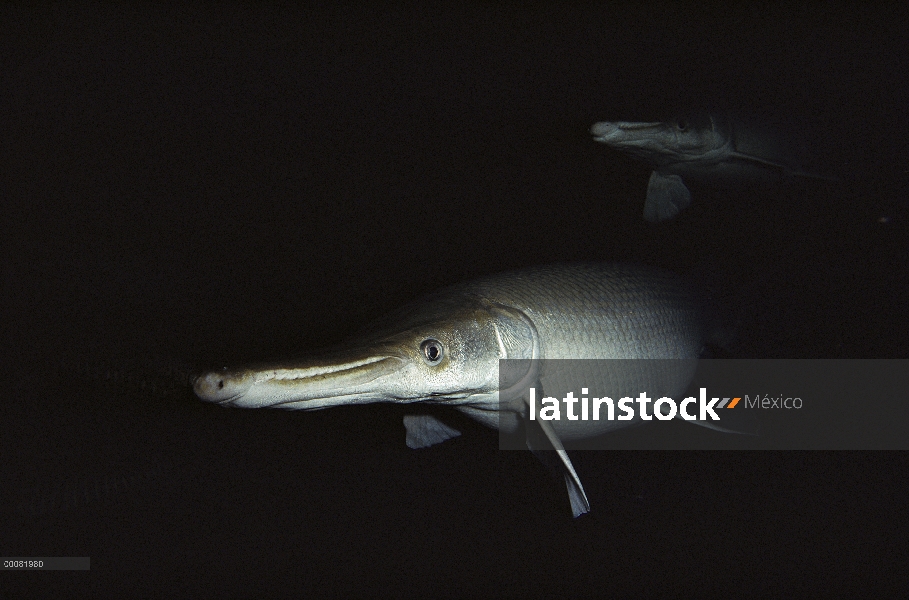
[
  {"x": 445, "y": 349},
  {"x": 718, "y": 149}
]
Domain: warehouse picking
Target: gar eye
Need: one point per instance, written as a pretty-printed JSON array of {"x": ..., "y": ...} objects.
[
  {"x": 433, "y": 351},
  {"x": 682, "y": 125}
]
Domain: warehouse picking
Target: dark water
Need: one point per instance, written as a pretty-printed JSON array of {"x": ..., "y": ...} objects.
[{"x": 199, "y": 187}]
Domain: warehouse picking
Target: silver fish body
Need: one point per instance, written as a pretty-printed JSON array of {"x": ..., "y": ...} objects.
[
  {"x": 602, "y": 311},
  {"x": 445, "y": 349}
]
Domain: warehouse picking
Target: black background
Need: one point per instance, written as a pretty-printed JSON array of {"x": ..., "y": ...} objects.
[{"x": 220, "y": 184}]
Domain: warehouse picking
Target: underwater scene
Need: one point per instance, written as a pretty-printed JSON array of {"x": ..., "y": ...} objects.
[{"x": 362, "y": 208}]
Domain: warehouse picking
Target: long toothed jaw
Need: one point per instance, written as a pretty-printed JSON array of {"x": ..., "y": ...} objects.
[
  {"x": 615, "y": 131},
  {"x": 316, "y": 385}
]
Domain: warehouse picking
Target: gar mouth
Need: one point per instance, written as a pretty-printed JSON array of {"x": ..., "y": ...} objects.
[{"x": 607, "y": 131}]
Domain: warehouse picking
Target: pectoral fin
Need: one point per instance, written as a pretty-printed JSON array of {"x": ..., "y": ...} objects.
[
  {"x": 425, "y": 430},
  {"x": 667, "y": 196},
  {"x": 542, "y": 440}
]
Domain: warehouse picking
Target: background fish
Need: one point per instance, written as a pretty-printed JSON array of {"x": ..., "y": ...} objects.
[{"x": 713, "y": 148}]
